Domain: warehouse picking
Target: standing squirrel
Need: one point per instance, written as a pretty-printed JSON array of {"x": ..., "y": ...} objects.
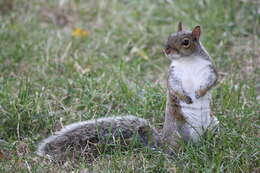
[{"x": 187, "y": 116}]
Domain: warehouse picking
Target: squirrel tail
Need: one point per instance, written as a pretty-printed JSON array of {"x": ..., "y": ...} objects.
[{"x": 85, "y": 138}]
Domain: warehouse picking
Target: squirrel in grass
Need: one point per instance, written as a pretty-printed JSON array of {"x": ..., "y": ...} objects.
[{"x": 192, "y": 75}]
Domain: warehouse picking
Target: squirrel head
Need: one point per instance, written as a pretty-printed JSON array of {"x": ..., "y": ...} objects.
[{"x": 183, "y": 43}]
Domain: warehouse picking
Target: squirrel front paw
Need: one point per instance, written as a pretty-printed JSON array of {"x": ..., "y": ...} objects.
[
  {"x": 188, "y": 100},
  {"x": 199, "y": 93}
]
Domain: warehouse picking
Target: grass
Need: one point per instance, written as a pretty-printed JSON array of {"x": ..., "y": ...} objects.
[{"x": 50, "y": 78}]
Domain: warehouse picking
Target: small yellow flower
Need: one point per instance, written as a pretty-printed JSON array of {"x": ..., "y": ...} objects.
[
  {"x": 80, "y": 33},
  {"x": 143, "y": 54},
  {"x": 140, "y": 52}
]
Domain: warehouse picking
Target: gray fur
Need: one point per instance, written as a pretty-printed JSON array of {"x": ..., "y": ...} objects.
[{"x": 83, "y": 138}]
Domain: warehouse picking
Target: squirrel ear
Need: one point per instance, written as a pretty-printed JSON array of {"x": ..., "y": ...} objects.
[
  {"x": 196, "y": 32},
  {"x": 179, "y": 26}
]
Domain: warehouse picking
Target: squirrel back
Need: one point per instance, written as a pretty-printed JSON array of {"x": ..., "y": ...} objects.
[{"x": 85, "y": 138}]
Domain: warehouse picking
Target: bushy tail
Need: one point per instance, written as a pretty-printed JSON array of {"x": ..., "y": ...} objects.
[{"x": 84, "y": 138}]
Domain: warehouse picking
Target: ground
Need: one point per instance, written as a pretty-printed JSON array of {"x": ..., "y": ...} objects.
[{"x": 66, "y": 61}]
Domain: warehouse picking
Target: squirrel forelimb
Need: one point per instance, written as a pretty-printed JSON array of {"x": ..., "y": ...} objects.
[
  {"x": 209, "y": 81},
  {"x": 175, "y": 87}
]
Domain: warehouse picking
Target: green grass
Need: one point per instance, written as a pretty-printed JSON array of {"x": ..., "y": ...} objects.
[{"x": 50, "y": 78}]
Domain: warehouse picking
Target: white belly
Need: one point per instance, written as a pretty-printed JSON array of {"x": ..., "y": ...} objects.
[
  {"x": 192, "y": 73},
  {"x": 197, "y": 116}
]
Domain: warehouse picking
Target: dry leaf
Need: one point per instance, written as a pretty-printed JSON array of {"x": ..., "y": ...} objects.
[
  {"x": 80, "y": 69},
  {"x": 140, "y": 52},
  {"x": 80, "y": 33}
]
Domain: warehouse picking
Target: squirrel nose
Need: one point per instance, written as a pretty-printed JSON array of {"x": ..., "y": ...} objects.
[{"x": 168, "y": 50}]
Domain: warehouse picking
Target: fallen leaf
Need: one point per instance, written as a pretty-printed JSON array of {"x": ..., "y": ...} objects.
[
  {"x": 140, "y": 52},
  {"x": 80, "y": 33},
  {"x": 80, "y": 69}
]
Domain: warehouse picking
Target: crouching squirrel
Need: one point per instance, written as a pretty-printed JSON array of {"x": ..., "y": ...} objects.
[{"x": 188, "y": 115}]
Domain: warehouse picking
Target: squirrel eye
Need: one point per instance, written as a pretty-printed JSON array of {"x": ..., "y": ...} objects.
[{"x": 185, "y": 42}]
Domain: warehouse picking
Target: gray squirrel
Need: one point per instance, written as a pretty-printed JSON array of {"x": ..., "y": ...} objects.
[{"x": 192, "y": 75}]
